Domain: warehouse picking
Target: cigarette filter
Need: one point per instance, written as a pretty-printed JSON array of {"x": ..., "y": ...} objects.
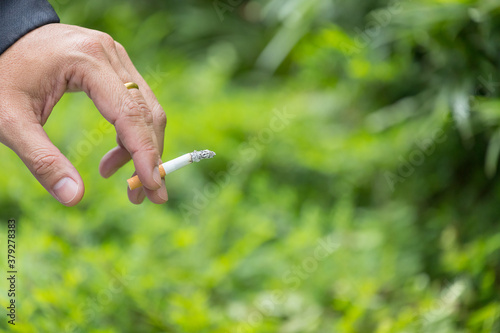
[{"x": 174, "y": 164}]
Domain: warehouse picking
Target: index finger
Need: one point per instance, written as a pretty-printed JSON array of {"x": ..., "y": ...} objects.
[{"x": 129, "y": 113}]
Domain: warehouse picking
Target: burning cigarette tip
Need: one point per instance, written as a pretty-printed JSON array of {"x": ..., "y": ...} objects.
[{"x": 197, "y": 156}]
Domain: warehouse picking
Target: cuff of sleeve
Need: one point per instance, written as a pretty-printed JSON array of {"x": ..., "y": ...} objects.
[{"x": 17, "y": 18}]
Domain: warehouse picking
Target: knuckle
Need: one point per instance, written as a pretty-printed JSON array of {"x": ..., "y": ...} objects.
[
  {"x": 162, "y": 118},
  {"x": 138, "y": 112},
  {"x": 43, "y": 162},
  {"x": 92, "y": 47},
  {"x": 96, "y": 44},
  {"x": 119, "y": 48},
  {"x": 106, "y": 40}
]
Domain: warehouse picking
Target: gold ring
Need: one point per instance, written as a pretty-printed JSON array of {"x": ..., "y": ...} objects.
[{"x": 131, "y": 85}]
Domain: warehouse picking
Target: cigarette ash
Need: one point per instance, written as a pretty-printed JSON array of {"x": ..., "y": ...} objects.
[{"x": 197, "y": 156}]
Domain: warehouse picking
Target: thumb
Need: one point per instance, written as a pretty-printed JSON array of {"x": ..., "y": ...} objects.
[{"x": 49, "y": 166}]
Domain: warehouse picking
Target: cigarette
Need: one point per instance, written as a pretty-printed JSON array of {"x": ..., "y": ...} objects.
[{"x": 175, "y": 164}]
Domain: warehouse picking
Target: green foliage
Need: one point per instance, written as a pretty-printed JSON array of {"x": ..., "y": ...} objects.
[{"x": 354, "y": 187}]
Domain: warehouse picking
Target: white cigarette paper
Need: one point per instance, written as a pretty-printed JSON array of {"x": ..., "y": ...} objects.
[{"x": 173, "y": 165}]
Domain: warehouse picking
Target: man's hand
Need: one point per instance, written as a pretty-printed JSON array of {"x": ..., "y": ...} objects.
[{"x": 39, "y": 68}]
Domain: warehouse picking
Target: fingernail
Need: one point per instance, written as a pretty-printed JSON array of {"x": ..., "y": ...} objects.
[
  {"x": 156, "y": 175},
  {"x": 163, "y": 194},
  {"x": 65, "y": 190}
]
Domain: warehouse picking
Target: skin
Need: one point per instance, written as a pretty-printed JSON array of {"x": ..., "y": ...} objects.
[{"x": 57, "y": 58}]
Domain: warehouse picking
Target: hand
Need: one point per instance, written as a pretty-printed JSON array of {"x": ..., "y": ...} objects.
[{"x": 39, "y": 68}]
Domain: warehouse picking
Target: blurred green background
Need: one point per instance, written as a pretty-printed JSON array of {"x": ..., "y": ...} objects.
[{"x": 355, "y": 187}]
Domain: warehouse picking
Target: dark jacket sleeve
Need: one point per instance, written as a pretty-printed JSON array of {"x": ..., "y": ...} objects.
[{"x": 18, "y": 17}]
